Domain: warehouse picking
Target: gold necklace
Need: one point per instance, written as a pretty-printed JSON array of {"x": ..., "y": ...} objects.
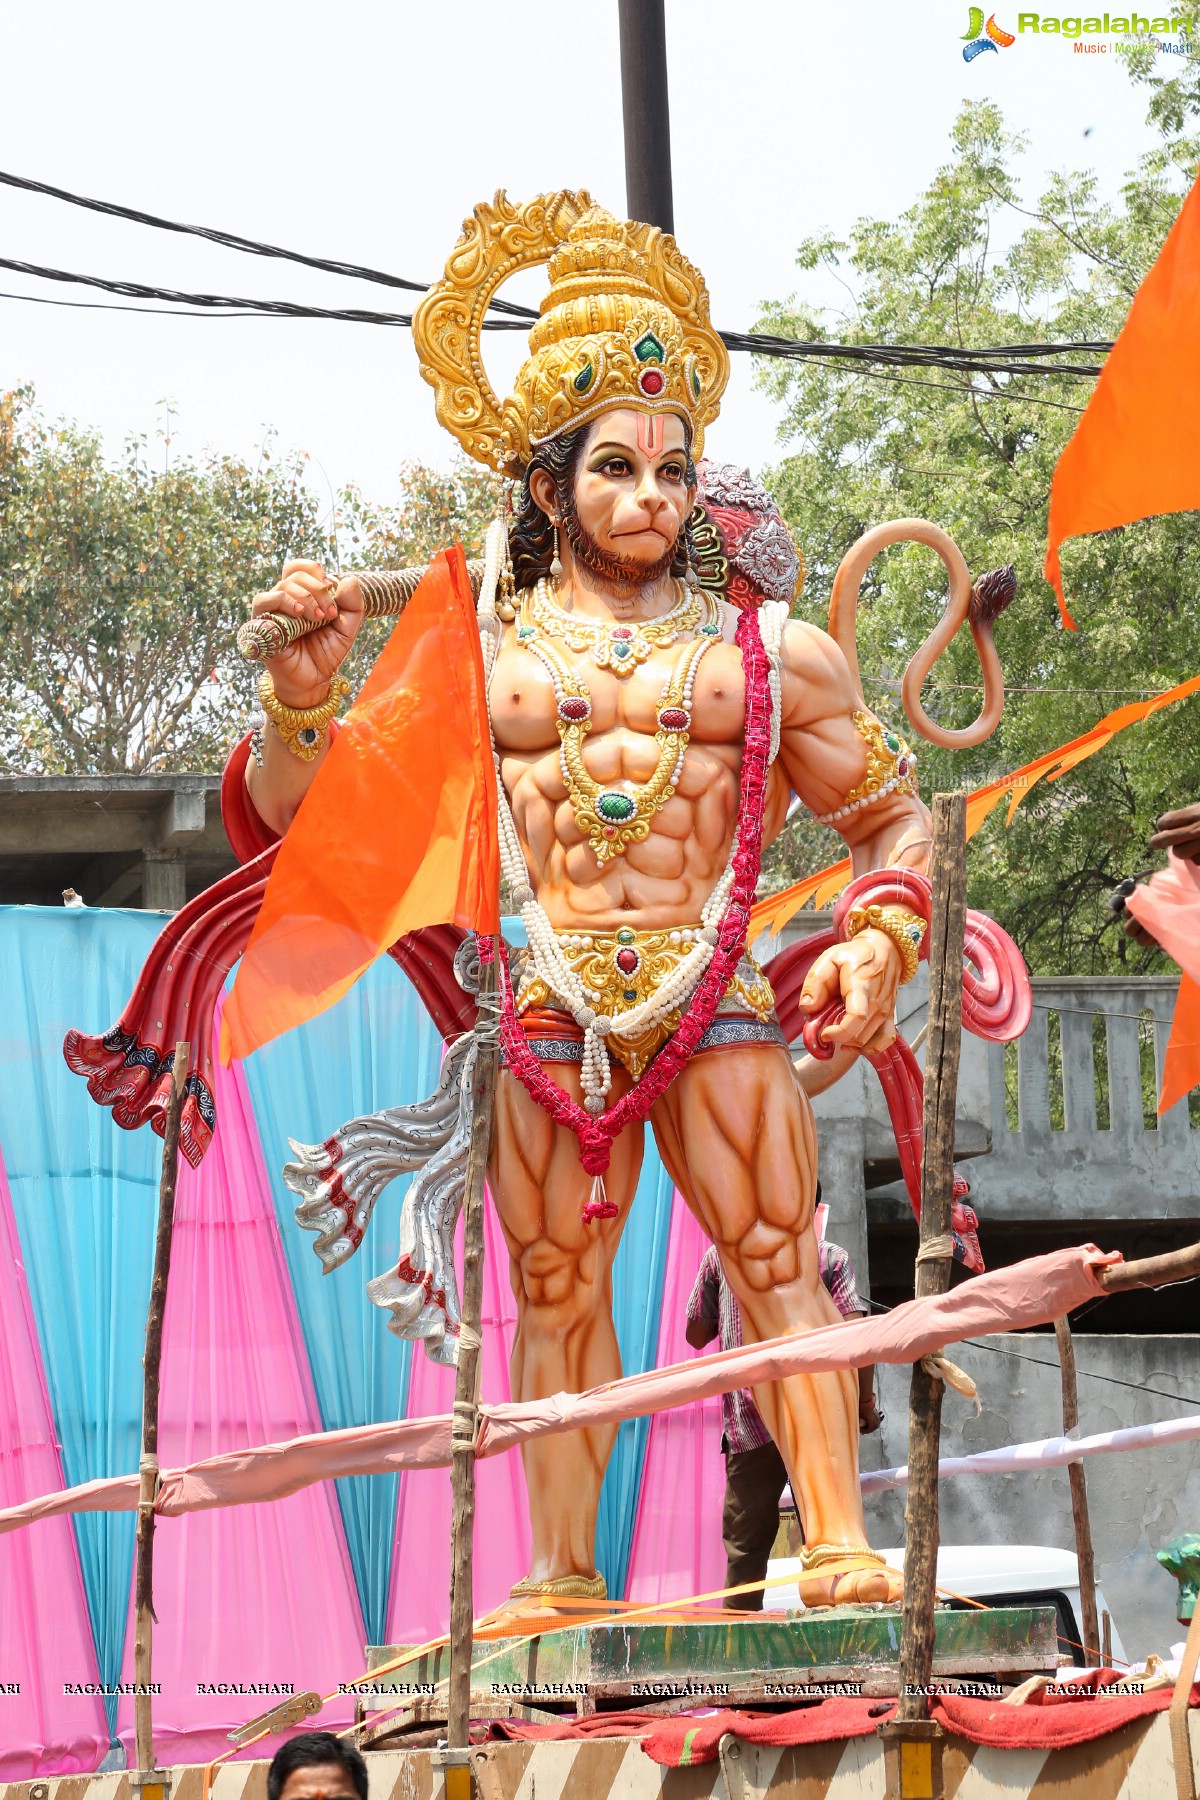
[
  {"x": 612, "y": 818},
  {"x": 621, "y": 648}
]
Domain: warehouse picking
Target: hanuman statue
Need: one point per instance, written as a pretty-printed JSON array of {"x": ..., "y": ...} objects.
[{"x": 654, "y": 709}]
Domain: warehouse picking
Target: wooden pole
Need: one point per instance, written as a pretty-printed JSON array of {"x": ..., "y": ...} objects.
[
  {"x": 1181, "y": 1744},
  {"x": 1079, "y": 1502},
  {"x": 144, "y": 1618},
  {"x": 946, "y": 935},
  {"x": 646, "y": 113},
  {"x": 466, "y": 1386},
  {"x": 1152, "y": 1271}
]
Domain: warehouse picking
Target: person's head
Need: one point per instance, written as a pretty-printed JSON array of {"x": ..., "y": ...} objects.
[
  {"x": 621, "y": 490},
  {"x": 317, "y": 1766}
]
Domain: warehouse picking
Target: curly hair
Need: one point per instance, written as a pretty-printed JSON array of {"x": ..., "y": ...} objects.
[{"x": 531, "y": 533}]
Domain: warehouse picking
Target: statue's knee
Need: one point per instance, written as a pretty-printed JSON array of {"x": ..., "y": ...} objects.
[
  {"x": 765, "y": 1257},
  {"x": 549, "y": 1275}
]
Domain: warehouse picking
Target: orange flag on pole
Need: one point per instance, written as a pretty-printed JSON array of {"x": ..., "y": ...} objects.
[
  {"x": 1168, "y": 905},
  {"x": 397, "y": 831},
  {"x": 1136, "y": 450}
]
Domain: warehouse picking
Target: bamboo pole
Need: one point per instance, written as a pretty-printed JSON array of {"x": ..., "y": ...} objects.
[
  {"x": 1152, "y": 1271},
  {"x": 1181, "y": 1743},
  {"x": 946, "y": 935},
  {"x": 144, "y": 1617},
  {"x": 1080, "y": 1517},
  {"x": 466, "y": 1386}
]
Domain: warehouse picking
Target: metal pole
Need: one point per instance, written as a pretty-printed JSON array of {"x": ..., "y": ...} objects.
[
  {"x": 646, "y": 112},
  {"x": 152, "y": 1364},
  {"x": 946, "y": 932},
  {"x": 466, "y": 1385}
]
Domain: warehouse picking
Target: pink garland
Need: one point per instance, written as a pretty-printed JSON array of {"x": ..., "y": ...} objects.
[{"x": 597, "y": 1135}]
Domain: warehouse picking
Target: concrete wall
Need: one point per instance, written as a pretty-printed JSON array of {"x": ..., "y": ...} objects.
[{"x": 1139, "y": 1501}]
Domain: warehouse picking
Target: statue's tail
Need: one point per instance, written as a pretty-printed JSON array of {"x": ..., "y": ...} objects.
[{"x": 977, "y": 605}]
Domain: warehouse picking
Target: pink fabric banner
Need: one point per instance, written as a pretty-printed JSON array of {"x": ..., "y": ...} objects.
[
  {"x": 45, "y": 1632},
  {"x": 262, "y": 1598},
  {"x": 1014, "y": 1299},
  {"x": 677, "y": 1534},
  {"x": 419, "y": 1604}
]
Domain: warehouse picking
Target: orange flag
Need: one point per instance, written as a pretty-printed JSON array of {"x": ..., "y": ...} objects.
[
  {"x": 1136, "y": 450},
  {"x": 398, "y": 830}
]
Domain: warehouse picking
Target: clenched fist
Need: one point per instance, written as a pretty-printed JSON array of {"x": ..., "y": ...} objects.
[{"x": 303, "y": 671}]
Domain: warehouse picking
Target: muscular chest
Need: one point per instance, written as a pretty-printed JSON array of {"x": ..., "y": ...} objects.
[{"x": 525, "y": 703}]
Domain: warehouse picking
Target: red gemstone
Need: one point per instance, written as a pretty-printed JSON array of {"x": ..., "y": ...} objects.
[
  {"x": 610, "y": 831},
  {"x": 621, "y": 631},
  {"x": 627, "y": 961},
  {"x": 674, "y": 718},
  {"x": 651, "y": 381},
  {"x": 574, "y": 708},
  {"x": 902, "y": 766}
]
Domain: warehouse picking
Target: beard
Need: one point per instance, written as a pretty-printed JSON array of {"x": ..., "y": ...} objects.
[{"x": 623, "y": 575}]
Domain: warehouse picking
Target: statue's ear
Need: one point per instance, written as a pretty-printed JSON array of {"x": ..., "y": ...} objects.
[{"x": 543, "y": 492}]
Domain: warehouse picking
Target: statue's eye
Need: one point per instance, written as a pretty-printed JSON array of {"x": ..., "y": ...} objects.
[{"x": 616, "y": 466}]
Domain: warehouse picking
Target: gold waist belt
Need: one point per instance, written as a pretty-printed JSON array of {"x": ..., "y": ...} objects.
[{"x": 620, "y": 969}]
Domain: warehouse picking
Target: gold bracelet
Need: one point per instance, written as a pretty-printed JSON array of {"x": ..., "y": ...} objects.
[
  {"x": 906, "y": 930},
  {"x": 302, "y": 729}
]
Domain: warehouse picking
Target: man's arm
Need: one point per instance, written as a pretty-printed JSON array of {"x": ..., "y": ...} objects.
[
  {"x": 837, "y": 1272},
  {"x": 703, "y": 1307}
]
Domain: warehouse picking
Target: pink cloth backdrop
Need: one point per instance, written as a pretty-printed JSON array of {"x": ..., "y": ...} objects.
[
  {"x": 255, "y": 1594},
  {"x": 45, "y": 1633},
  {"x": 419, "y": 1605},
  {"x": 677, "y": 1535}
]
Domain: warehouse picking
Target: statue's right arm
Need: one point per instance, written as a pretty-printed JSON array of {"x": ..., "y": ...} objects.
[{"x": 301, "y": 675}]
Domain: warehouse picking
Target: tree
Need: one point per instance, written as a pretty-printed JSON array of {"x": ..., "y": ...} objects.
[
  {"x": 122, "y": 587},
  {"x": 976, "y": 454}
]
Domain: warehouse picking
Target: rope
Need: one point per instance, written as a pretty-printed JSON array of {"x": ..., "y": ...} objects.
[{"x": 936, "y": 1249}]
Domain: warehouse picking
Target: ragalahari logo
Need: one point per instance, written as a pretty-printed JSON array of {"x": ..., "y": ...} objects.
[{"x": 984, "y": 37}]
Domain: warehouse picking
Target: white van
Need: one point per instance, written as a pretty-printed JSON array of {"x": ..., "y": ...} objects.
[{"x": 997, "y": 1574}]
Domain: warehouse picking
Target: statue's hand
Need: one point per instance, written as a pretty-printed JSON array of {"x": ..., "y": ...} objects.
[
  {"x": 302, "y": 673},
  {"x": 864, "y": 974}
]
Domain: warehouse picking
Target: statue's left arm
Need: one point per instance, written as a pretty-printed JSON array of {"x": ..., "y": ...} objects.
[{"x": 852, "y": 774}]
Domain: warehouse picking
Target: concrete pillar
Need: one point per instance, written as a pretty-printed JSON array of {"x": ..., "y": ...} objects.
[
  {"x": 164, "y": 880},
  {"x": 840, "y": 1158}
]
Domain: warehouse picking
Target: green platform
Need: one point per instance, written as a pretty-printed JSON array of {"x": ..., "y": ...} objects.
[{"x": 760, "y": 1661}]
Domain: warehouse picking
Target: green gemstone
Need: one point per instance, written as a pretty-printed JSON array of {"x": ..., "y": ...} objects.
[
  {"x": 621, "y": 648},
  {"x": 526, "y": 631},
  {"x": 648, "y": 348},
  {"x": 625, "y": 936},
  {"x": 616, "y": 808},
  {"x": 710, "y": 631},
  {"x": 891, "y": 740},
  {"x": 585, "y": 378},
  {"x": 696, "y": 383}
]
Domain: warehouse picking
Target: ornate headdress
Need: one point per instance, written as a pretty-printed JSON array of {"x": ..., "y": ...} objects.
[{"x": 625, "y": 323}]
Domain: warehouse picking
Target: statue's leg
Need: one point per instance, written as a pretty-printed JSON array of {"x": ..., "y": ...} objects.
[
  {"x": 562, "y": 1278},
  {"x": 737, "y": 1135}
]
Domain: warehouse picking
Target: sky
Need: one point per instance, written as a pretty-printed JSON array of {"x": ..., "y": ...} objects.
[{"x": 368, "y": 132}]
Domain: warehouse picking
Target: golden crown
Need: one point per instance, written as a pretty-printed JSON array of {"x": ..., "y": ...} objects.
[{"x": 625, "y": 323}]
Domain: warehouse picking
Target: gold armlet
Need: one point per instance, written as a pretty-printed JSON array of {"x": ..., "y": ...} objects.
[
  {"x": 906, "y": 930},
  {"x": 302, "y": 730}
]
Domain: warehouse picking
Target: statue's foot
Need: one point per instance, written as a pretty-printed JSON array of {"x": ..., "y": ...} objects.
[
  {"x": 847, "y": 1575},
  {"x": 568, "y": 1596}
]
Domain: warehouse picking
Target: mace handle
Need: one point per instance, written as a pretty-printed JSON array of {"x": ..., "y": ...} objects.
[{"x": 385, "y": 596}]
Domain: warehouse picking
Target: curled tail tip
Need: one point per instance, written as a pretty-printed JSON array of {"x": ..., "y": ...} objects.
[{"x": 992, "y": 594}]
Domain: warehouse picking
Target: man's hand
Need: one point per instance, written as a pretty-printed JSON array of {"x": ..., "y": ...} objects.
[
  {"x": 864, "y": 974},
  {"x": 869, "y": 1416},
  {"x": 302, "y": 673},
  {"x": 1179, "y": 831}
]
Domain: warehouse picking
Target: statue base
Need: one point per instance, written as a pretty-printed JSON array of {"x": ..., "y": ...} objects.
[{"x": 671, "y": 1665}]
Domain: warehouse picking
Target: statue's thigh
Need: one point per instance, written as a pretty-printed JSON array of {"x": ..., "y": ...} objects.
[
  {"x": 537, "y": 1180},
  {"x": 737, "y": 1134}
]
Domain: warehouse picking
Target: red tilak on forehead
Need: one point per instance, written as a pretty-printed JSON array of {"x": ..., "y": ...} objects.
[{"x": 651, "y": 433}]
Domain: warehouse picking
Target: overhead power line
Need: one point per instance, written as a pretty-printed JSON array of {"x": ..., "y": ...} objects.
[
  {"x": 231, "y": 240},
  {"x": 1003, "y": 359}
]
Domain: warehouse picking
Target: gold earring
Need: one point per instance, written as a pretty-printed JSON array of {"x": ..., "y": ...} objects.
[{"x": 556, "y": 567}]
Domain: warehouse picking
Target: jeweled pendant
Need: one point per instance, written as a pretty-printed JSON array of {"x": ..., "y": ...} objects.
[{"x": 615, "y": 808}]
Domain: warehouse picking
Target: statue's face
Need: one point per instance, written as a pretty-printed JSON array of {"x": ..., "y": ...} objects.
[{"x": 631, "y": 492}]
